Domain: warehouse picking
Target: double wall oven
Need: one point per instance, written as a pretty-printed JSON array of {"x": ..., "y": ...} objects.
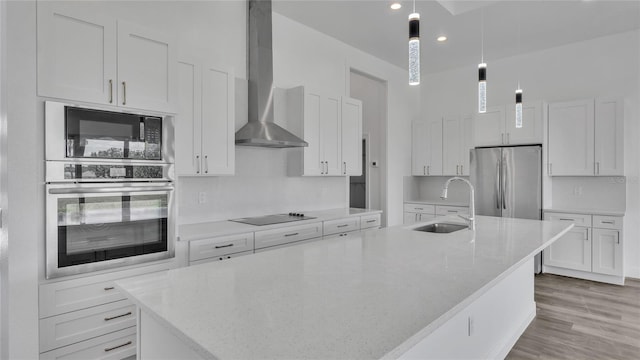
[{"x": 109, "y": 189}]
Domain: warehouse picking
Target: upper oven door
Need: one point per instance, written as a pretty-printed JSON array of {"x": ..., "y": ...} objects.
[{"x": 78, "y": 133}]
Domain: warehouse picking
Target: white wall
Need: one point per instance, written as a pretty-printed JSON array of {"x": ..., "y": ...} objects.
[
  {"x": 4, "y": 264},
  {"x": 606, "y": 66}
]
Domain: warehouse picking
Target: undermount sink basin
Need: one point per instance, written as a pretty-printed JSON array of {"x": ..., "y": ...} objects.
[{"x": 441, "y": 228}]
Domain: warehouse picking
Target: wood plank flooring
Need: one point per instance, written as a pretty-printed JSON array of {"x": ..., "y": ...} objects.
[{"x": 580, "y": 319}]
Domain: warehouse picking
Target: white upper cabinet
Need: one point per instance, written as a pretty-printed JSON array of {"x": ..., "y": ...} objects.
[
  {"x": 490, "y": 127},
  {"x": 331, "y": 125},
  {"x": 498, "y": 126},
  {"x": 146, "y": 68},
  {"x": 330, "y": 134},
  {"x": 351, "y": 136},
  {"x": 586, "y": 137},
  {"x": 531, "y": 130},
  {"x": 467, "y": 143},
  {"x": 76, "y": 53},
  {"x": 426, "y": 142},
  {"x": 205, "y": 140},
  {"x": 609, "y": 137},
  {"x": 86, "y": 56},
  {"x": 451, "y": 145}
]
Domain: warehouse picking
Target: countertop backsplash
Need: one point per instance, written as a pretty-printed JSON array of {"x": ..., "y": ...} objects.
[
  {"x": 589, "y": 192},
  {"x": 429, "y": 188}
]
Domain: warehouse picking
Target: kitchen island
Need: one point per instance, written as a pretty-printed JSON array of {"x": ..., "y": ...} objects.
[{"x": 389, "y": 293}]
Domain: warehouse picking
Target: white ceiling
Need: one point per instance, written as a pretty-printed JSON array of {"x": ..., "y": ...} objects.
[{"x": 373, "y": 27}]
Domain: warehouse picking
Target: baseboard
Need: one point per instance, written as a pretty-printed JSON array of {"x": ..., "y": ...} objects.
[
  {"x": 633, "y": 272},
  {"x": 503, "y": 351},
  {"x": 610, "y": 279}
]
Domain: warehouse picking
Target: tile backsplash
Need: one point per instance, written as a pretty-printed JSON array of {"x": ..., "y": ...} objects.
[
  {"x": 589, "y": 192},
  {"x": 260, "y": 186}
]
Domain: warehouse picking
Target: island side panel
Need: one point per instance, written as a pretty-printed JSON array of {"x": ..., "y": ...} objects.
[
  {"x": 158, "y": 343},
  {"x": 487, "y": 328}
]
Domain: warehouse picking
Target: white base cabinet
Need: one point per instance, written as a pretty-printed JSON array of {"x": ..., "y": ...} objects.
[
  {"x": 204, "y": 127},
  {"x": 593, "y": 249}
]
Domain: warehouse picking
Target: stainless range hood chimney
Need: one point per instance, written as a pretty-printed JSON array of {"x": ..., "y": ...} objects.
[{"x": 261, "y": 130}]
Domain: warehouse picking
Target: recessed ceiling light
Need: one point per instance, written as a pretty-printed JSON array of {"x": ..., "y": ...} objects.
[
  {"x": 396, "y": 6},
  {"x": 441, "y": 38}
]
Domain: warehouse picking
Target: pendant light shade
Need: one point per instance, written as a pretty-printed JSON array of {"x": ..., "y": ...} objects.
[
  {"x": 482, "y": 88},
  {"x": 519, "y": 108},
  {"x": 414, "y": 48}
]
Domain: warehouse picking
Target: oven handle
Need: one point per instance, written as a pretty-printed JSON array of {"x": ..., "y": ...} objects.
[{"x": 109, "y": 190}]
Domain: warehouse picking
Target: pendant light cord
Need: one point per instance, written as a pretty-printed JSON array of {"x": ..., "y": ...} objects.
[
  {"x": 519, "y": 50},
  {"x": 482, "y": 34},
  {"x": 414, "y": 6}
]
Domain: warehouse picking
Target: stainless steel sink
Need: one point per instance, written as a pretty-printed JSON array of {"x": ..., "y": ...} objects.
[{"x": 441, "y": 228}]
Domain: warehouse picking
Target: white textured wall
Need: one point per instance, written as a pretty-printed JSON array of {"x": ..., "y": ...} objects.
[{"x": 606, "y": 66}]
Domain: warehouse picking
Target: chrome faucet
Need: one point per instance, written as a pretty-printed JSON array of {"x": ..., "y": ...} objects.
[{"x": 471, "y": 220}]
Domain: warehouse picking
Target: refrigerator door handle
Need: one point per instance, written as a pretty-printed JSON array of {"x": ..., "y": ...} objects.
[
  {"x": 498, "y": 199},
  {"x": 505, "y": 171}
]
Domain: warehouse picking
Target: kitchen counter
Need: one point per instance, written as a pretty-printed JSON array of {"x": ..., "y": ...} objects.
[
  {"x": 586, "y": 211},
  {"x": 373, "y": 295},
  {"x": 438, "y": 202},
  {"x": 197, "y": 231}
]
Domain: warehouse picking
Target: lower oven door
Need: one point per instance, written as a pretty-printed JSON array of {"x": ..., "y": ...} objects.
[{"x": 100, "y": 226}]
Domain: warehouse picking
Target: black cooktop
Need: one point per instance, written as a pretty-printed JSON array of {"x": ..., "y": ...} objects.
[{"x": 273, "y": 219}]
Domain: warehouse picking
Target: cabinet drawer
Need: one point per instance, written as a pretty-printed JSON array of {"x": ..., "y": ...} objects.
[
  {"x": 70, "y": 328},
  {"x": 577, "y": 219},
  {"x": 451, "y": 210},
  {"x": 341, "y": 226},
  {"x": 420, "y": 208},
  {"x": 607, "y": 222},
  {"x": 287, "y": 235},
  {"x": 219, "y": 246},
  {"x": 114, "y": 346},
  {"x": 370, "y": 221},
  {"x": 220, "y": 258},
  {"x": 71, "y": 295}
]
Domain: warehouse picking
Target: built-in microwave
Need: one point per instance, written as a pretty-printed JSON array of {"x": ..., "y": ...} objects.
[
  {"x": 109, "y": 189},
  {"x": 76, "y": 133}
]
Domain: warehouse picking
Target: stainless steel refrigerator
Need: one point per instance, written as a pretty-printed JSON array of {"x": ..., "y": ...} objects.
[{"x": 508, "y": 183}]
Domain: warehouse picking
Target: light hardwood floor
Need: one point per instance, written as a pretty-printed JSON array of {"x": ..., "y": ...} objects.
[{"x": 580, "y": 319}]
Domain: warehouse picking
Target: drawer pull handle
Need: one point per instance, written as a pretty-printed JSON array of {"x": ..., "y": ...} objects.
[
  {"x": 608, "y": 222},
  {"x": 223, "y": 246},
  {"x": 419, "y": 208},
  {"x": 567, "y": 219},
  {"x": 109, "y": 288},
  {"x": 292, "y": 234},
  {"x": 452, "y": 211},
  {"x": 117, "y": 316},
  {"x": 371, "y": 221},
  {"x": 344, "y": 225},
  {"x": 119, "y": 346}
]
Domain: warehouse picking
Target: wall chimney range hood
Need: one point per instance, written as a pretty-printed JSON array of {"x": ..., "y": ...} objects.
[{"x": 261, "y": 130}]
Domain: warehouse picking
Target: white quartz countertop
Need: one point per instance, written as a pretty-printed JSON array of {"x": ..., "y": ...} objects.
[
  {"x": 371, "y": 295},
  {"x": 203, "y": 230},
  {"x": 438, "y": 202},
  {"x": 586, "y": 211}
]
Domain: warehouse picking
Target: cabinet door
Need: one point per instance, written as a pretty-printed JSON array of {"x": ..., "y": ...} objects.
[
  {"x": 146, "y": 68},
  {"x": 572, "y": 251},
  {"x": 489, "y": 129},
  {"x": 330, "y": 136},
  {"x": 451, "y": 145},
  {"x": 313, "y": 159},
  {"x": 570, "y": 143},
  {"x": 351, "y": 137},
  {"x": 467, "y": 143},
  {"x": 410, "y": 218},
  {"x": 531, "y": 130},
  {"x": 419, "y": 148},
  {"x": 218, "y": 112},
  {"x": 188, "y": 123},
  {"x": 434, "y": 147},
  {"x": 609, "y": 137},
  {"x": 607, "y": 252},
  {"x": 76, "y": 53}
]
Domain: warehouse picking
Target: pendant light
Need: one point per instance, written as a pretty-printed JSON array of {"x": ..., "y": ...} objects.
[
  {"x": 414, "y": 47},
  {"x": 518, "y": 90},
  {"x": 482, "y": 73}
]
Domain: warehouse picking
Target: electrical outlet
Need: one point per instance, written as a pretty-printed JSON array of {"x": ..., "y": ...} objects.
[
  {"x": 577, "y": 191},
  {"x": 202, "y": 197}
]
